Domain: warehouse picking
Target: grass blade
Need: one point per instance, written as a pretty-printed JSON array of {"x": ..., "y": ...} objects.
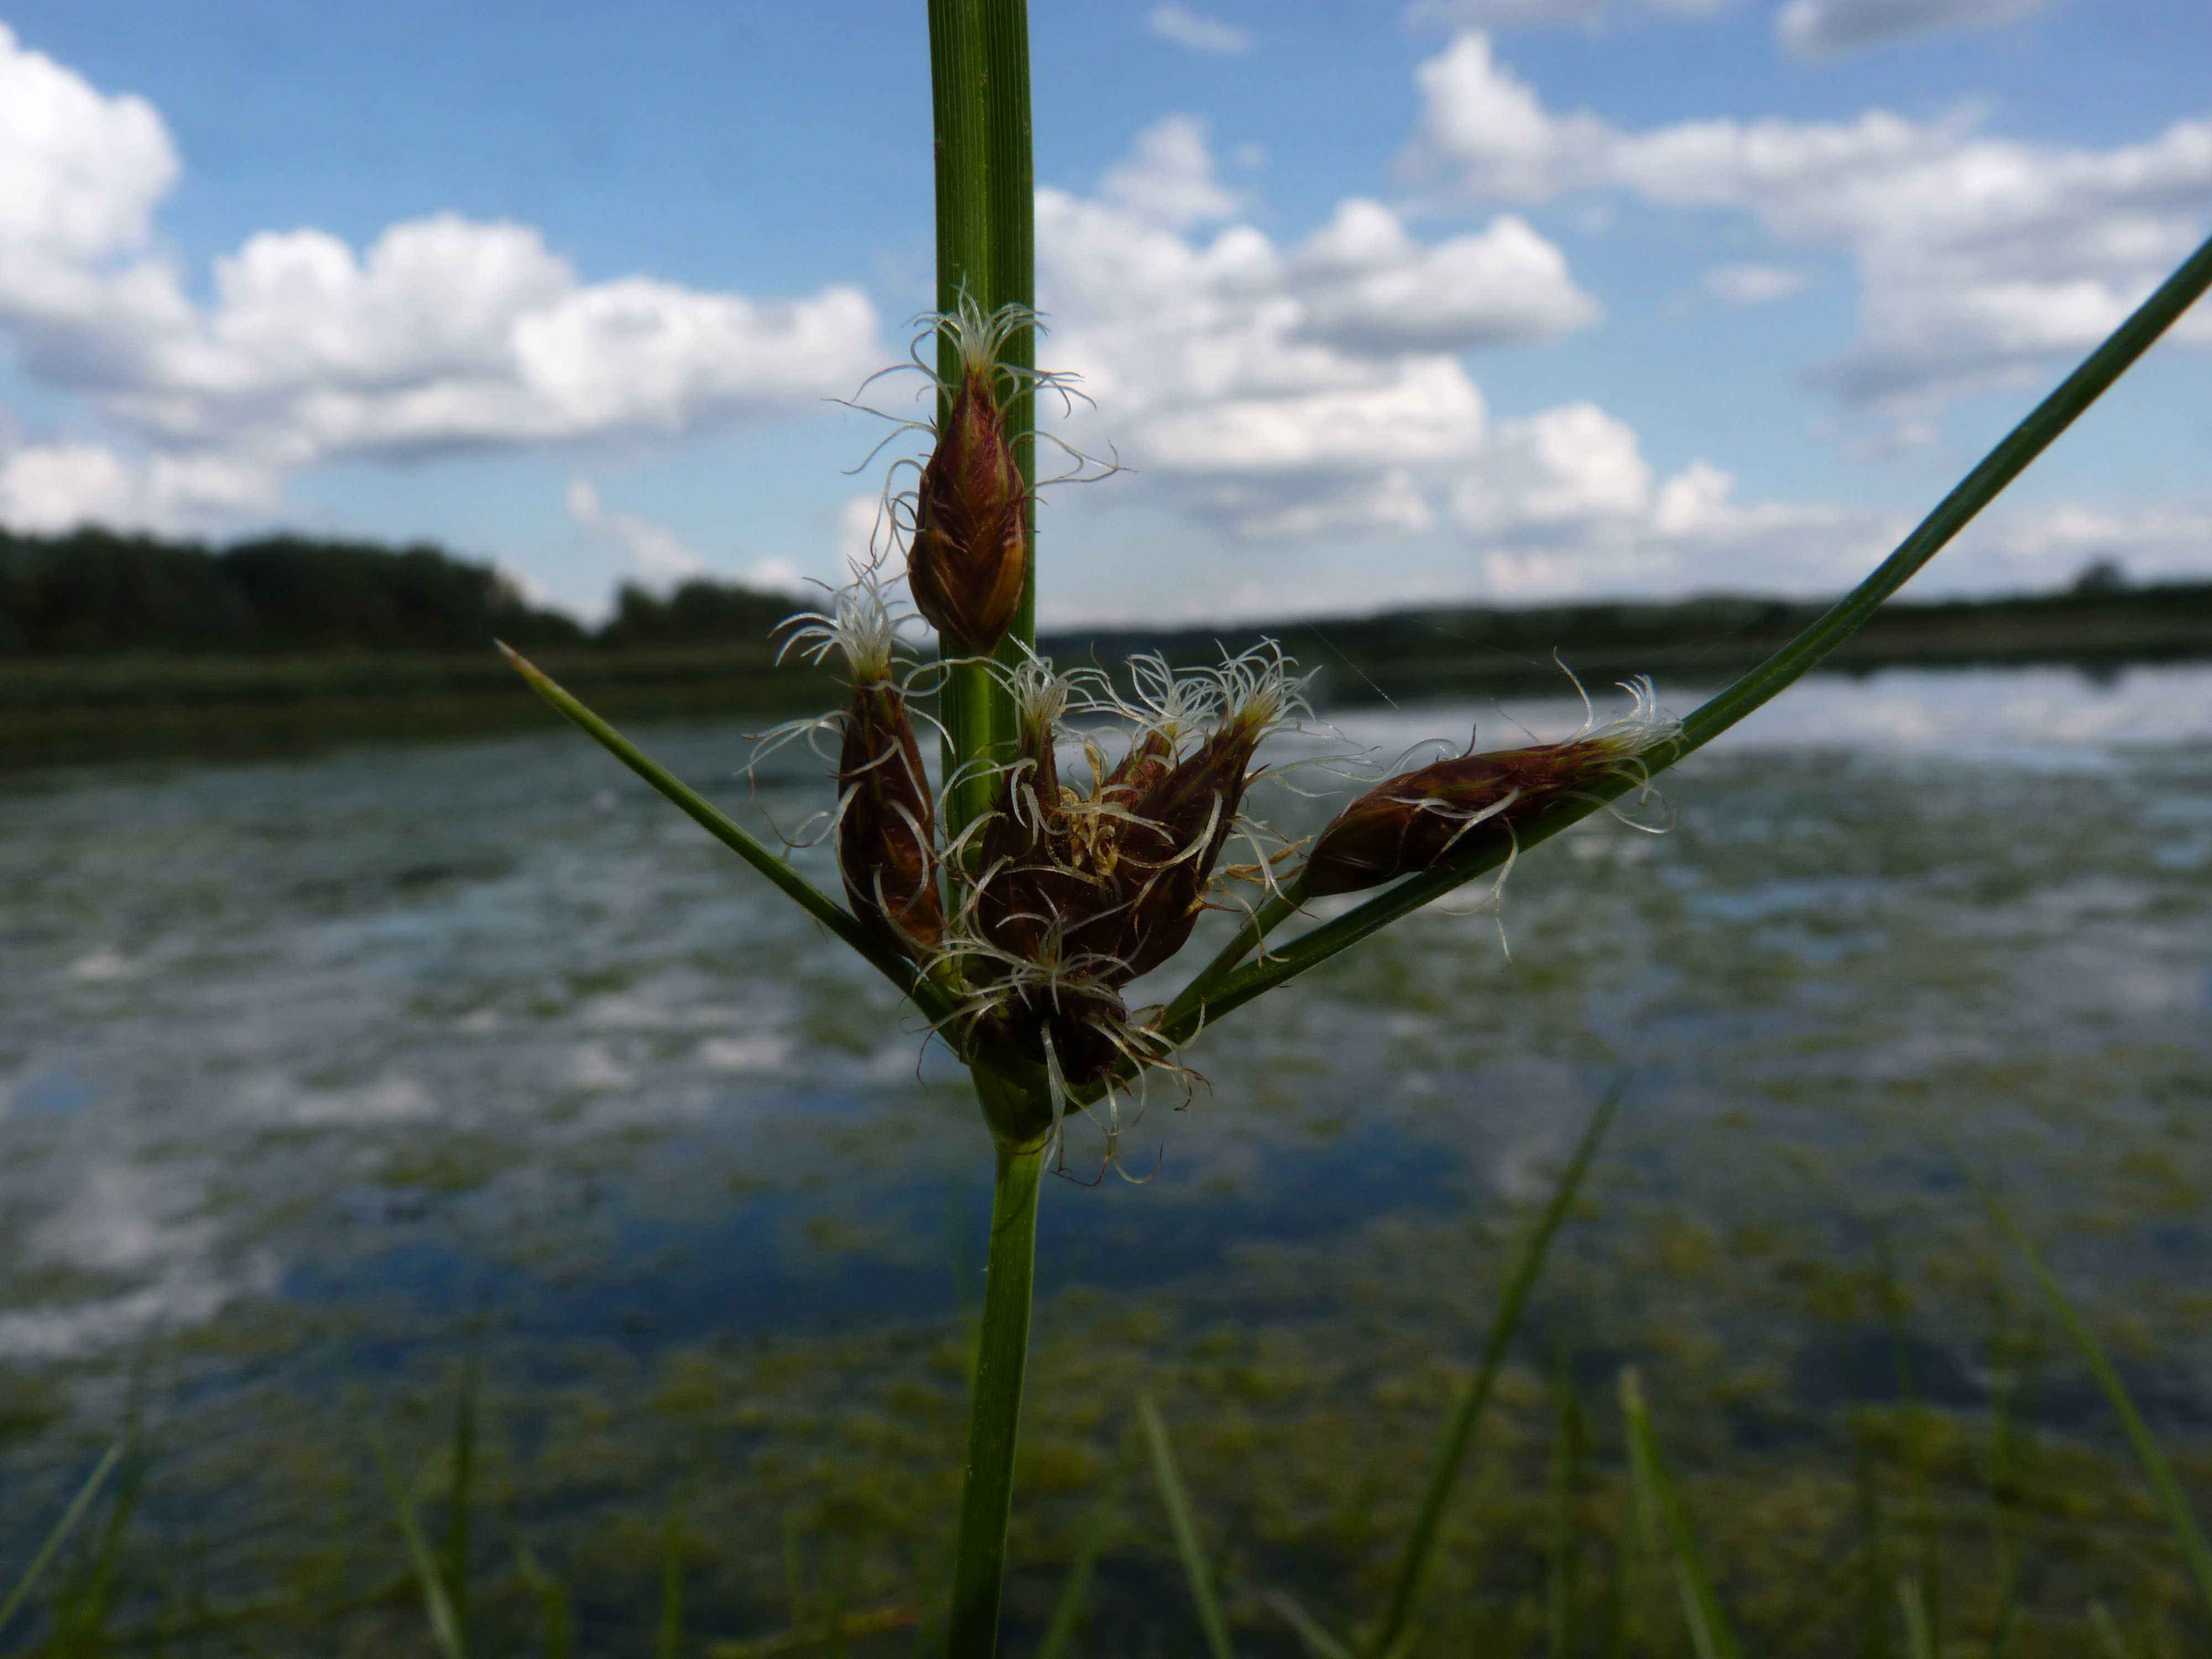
[
  {"x": 1561, "y": 1639},
  {"x": 854, "y": 1625},
  {"x": 455, "y": 1562},
  {"x": 1311, "y": 1632},
  {"x": 1919, "y": 1643},
  {"x": 2180, "y": 1519},
  {"x": 1185, "y": 1531},
  {"x": 1224, "y": 992},
  {"x": 747, "y": 846},
  {"x": 1459, "y": 1430},
  {"x": 1928, "y": 1588},
  {"x": 2007, "y": 1467},
  {"x": 556, "y": 1622},
  {"x": 2109, "y": 1640},
  {"x": 668, "y": 1637},
  {"x": 63, "y": 1527},
  {"x": 1709, "y": 1626},
  {"x": 444, "y": 1629},
  {"x": 1075, "y": 1588}
]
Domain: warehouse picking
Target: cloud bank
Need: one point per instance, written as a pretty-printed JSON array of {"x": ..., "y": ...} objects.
[
  {"x": 444, "y": 335},
  {"x": 1319, "y": 388},
  {"x": 1982, "y": 262}
]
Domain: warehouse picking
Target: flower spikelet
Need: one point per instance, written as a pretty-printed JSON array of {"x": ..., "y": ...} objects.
[
  {"x": 886, "y": 826},
  {"x": 1410, "y": 822},
  {"x": 967, "y": 557},
  {"x": 1081, "y": 890},
  {"x": 1177, "y": 826}
]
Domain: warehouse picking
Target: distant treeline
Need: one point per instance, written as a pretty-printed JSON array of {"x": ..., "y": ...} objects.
[
  {"x": 96, "y": 593},
  {"x": 2100, "y": 621}
]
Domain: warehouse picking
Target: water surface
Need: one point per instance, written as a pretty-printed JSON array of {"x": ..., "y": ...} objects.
[{"x": 307, "y": 1068}]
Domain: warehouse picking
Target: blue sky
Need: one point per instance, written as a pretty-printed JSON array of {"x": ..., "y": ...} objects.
[{"x": 1503, "y": 299}]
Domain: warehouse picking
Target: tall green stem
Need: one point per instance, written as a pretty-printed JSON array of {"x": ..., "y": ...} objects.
[
  {"x": 979, "y": 65},
  {"x": 994, "y": 1413}
]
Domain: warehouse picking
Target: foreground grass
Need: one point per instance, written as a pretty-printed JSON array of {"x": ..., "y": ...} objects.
[{"x": 796, "y": 1496}]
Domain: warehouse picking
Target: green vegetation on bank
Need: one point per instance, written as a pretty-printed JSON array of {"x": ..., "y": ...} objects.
[
  {"x": 2100, "y": 621},
  {"x": 112, "y": 645}
]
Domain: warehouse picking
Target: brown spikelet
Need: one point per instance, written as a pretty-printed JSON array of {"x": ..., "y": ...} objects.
[
  {"x": 1173, "y": 839},
  {"x": 1409, "y": 823},
  {"x": 886, "y": 835},
  {"x": 965, "y": 566},
  {"x": 1080, "y": 892},
  {"x": 1026, "y": 872}
]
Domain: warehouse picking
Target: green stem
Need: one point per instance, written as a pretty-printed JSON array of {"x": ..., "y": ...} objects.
[
  {"x": 1002, "y": 1341},
  {"x": 979, "y": 64},
  {"x": 985, "y": 252},
  {"x": 968, "y": 708},
  {"x": 1999, "y": 468},
  {"x": 935, "y": 1006},
  {"x": 1276, "y": 910}
]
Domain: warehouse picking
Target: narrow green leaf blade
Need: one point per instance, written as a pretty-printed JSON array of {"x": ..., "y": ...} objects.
[
  {"x": 1185, "y": 1531},
  {"x": 1311, "y": 1632},
  {"x": 2172, "y": 1502},
  {"x": 669, "y": 1639},
  {"x": 2109, "y": 1640},
  {"x": 1459, "y": 1430},
  {"x": 557, "y": 1623},
  {"x": 740, "y": 841},
  {"x": 444, "y": 1629},
  {"x": 1709, "y": 1626},
  {"x": 1918, "y": 1643},
  {"x": 59, "y": 1535},
  {"x": 1075, "y": 1588},
  {"x": 455, "y": 1554}
]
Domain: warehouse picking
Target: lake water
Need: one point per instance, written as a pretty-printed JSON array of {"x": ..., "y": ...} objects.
[{"x": 309, "y": 1070}]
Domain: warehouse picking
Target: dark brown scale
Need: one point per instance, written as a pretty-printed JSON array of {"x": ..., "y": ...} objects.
[
  {"x": 971, "y": 547},
  {"x": 1112, "y": 902},
  {"x": 886, "y": 838},
  {"x": 1165, "y": 898},
  {"x": 1020, "y": 887},
  {"x": 1084, "y": 1018},
  {"x": 1408, "y": 822}
]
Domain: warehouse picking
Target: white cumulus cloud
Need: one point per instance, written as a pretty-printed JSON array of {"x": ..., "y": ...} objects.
[
  {"x": 1755, "y": 284},
  {"x": 1564, "y": 503},
  {"x": 1169, "y": 178},
  {"x": 443, "y": 334},
  {"x": 656, "y": 556},
  {"x": 1198, "y": 32},
  {"x": 1318, "y": 388},
  {"x": 1285, "y": 390},
  {"x": 80, "y": 174},
  {"x": 1981, "y": 260},
  {"x": 1369, "y": 287}
]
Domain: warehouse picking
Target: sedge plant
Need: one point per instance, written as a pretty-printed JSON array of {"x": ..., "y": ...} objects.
[{"x": 1010, "y": 905}]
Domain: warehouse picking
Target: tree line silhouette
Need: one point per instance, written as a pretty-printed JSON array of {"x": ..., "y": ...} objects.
[{"x": 95, "y": 592}]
